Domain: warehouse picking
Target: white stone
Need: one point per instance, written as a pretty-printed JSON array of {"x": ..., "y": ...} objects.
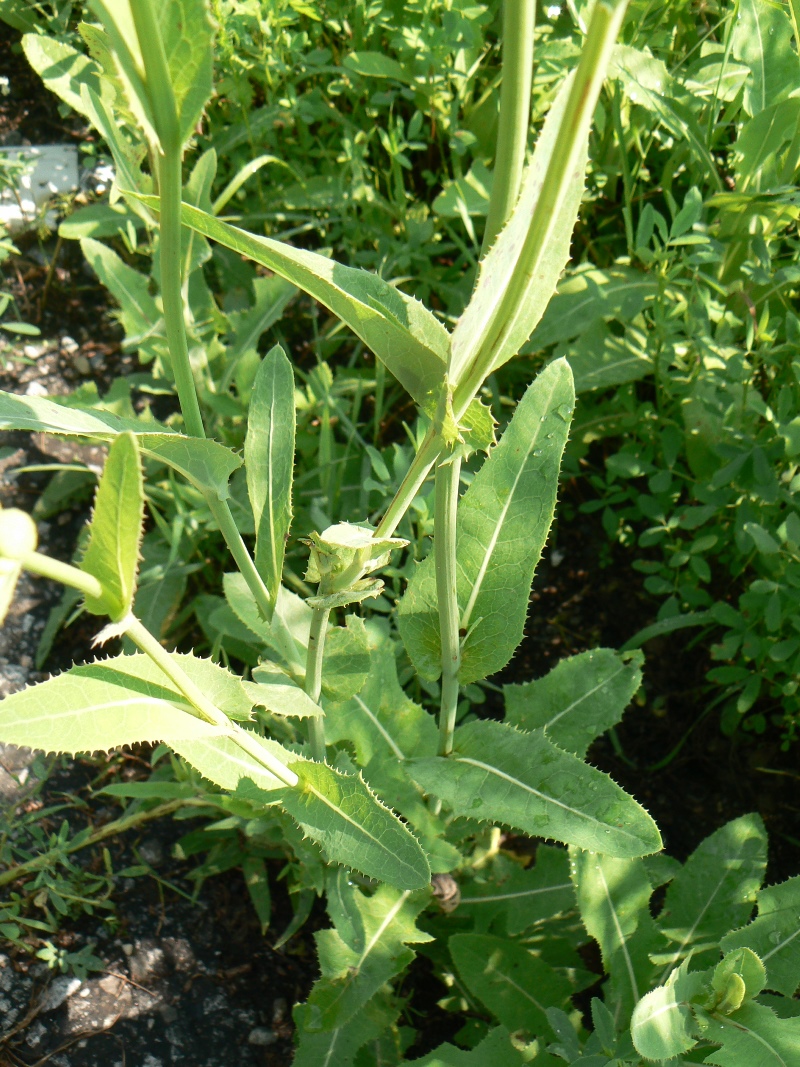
[{"x": 49, "y": 170}]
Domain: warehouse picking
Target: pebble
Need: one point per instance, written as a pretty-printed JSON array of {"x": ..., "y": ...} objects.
[
  {"x": 261, "y": 1036},
  {"x": 58, "y": 991},
  {"x": 35, "y": 389}
]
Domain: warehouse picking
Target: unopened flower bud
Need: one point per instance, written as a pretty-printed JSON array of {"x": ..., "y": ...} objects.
[{"x": 18, "y": 534}]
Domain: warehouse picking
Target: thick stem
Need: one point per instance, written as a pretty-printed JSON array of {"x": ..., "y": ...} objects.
[
  {"x": 64, "y": 573},
  {"x": 170, "y": 187},
  {"x": 448, "y": 473},
  {"x": 144, "y": 640},
  {"x": 316, "y": 650},
  {"x": 519, "y": 19}
]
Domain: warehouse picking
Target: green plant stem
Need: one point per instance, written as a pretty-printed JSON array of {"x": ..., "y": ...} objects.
[
  {"x": 316, "y": 651},
  {"x": 111, "y": 829},
  {"x": 448, "y": 473},
  {"x": 412, "y": 483},
  {"x": 606, "y": 19},
  {"x": 65, "y": 573},
  {"x": 144, "y": 640},
  {"x": 519, "y": 20}
]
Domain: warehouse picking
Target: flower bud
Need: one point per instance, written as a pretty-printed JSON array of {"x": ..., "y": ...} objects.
[{"x": 18, "y": 534}]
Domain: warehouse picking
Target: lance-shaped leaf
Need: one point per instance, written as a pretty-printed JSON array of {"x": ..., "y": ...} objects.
[
  {"x": 499, "y": 774},
  {"x": 761, "y": 38},
  {"x": 63, "y": 69},
  {"x": 275, "y": 691},
  {"x": 98, "y": 706},
  {"x": 366, "y": 948},
  {"x": 337, "y": 1047},
  {"x": 663, "y": 1025},
  {"x": 401, "y": 332},
  {"x": 527, "y": 896},
  {"x": 206, "y": 464},
  {"x": 515, "y": 985},
  {"x": 381, "y": 721},
  {"x": 139, "y": 315},
  {"x": 753, "y": 1036},
  {"x": 503, "y": 521},
  {"x": 716, "y": 888},
  {"x": 774, "y": 936},
  {"x": 269, "y": 461},
  {"x": 613, "y": 898},
  {"x": 581, "y": 697},
  {"x": 353, "y": 828},
  {"x": 228, "y": 765},
  {"x": 481, "y": 319},
  {"x": 497, "y": 1049},
  {"x": 345, "y": 660},
  {"x": 187, "y": 33},
  {"x": 115, "y": 532}
]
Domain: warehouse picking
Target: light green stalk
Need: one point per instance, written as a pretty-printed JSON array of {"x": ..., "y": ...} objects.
[
  {"x": 87, "y": 584},
  {"x": 64, "y": 573},
  {"x": 519, "y": 20},
  {"x": 606, "y": 20},
  {"x": 420, "y": 467},
  {"x": 316, "y": 650},
  {"x": 448, "y": 472},
  {"x": 144, "y": 640},
  {"x": 165, "y": 115}
]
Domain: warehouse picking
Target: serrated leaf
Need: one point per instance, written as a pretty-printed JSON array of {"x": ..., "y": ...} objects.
[
  {"x": 277, "y": 693},
  {"x": 115, "y": 532},
  {"x": 613, "y": 898},
  {"x": 496, "y": 1050},
  {"x": 269, "y": 461},
  {"x": 739, "y": 975},
  {"x": 528, "y": 896},
  {"x": 226, "y": 764},
  {"x": 206, "y": 464},
  {"x": 353, "y": 828},
  {"x": 139, "y": 314},
  {"x": 287, "y": 635},
  {"x": 124, "y": 154},
  {"x": 345, "y": 659},
  {"x": 753, "y": 1037},
  {"x": 401, "y": 332},
  {"x": 774, "y": 935},
  {"x": 515, "y": 985},
  {"x": 487, "y": 320},
  {"x": 762, "y": 40},
  {"x": 187, "y": 33},
  {"x": 362, "y": 953},
  {"x": 337, "y": 1047},
  {"x": 716, "y": 888},
  {"x": 662, "y": 1025},
  {"x": 499, "y": 774},
  {"x": 62, "y": 68},
  {"x": 503, "y": 521},
  {"x": 381, "y": 721},
  {"x": 96, "y": 707},
  {"x": 581, "y": 697}
]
